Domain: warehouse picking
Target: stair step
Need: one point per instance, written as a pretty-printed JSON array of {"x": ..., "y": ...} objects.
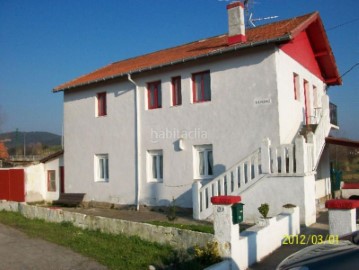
[{"x": 70, "y": 199}]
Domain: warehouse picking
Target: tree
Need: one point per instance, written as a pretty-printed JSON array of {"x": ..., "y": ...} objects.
[{"x": 3, "y": 151}]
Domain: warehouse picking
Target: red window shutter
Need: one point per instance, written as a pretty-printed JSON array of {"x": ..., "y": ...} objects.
[
  {"x": 101, "y": 104},
  {"x": 176, "y": 91}
]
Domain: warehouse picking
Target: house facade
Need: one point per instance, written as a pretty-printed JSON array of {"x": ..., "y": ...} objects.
[{"x": 164, "y": 126}]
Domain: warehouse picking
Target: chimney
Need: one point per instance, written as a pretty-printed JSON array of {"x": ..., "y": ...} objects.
[{"x": 236, "y": 27}]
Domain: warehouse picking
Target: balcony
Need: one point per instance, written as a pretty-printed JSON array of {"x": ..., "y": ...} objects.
[{"x": 333, "y": 114}]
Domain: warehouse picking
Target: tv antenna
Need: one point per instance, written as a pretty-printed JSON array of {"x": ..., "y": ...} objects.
[{"x": 248, "y": 7}]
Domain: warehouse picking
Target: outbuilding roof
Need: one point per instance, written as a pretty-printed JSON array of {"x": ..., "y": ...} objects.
[{"x": 277, "y": 32}]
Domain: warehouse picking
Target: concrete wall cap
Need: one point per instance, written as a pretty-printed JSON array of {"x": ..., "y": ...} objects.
[
  {"x": 225, "y": 199},
  {"x": 342, "y": 204}
]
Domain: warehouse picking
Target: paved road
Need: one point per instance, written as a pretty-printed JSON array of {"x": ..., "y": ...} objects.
[{"x": 20, "y": 252}]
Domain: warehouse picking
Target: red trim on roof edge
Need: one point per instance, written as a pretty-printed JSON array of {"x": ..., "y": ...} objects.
[
  {"x": 236, "y": 39},
  {"x": 235, "y": 4}
]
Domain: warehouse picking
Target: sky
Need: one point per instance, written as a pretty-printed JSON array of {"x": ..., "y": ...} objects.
[{"x": 44, "y": 43}]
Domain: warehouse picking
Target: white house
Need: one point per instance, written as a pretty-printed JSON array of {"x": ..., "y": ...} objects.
[
  {"x": 216, "y": 116},
  {"x": 45, "y": 181}
]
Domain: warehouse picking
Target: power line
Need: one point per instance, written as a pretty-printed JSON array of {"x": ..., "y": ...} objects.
[
  {"x": 350, "y": 69},
  {"x": 342, "y": 24}
]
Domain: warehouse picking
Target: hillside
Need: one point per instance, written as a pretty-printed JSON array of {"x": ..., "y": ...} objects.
[{"x": 16, "y": 139}]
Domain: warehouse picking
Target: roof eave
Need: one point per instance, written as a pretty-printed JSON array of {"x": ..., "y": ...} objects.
[{"x": 240, "y": 46}]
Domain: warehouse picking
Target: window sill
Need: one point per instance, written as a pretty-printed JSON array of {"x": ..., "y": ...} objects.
[
  {"x": 155, "y": 181},
  {"x": 102, "y": 181},
  {"x": 201, "y": 102}
]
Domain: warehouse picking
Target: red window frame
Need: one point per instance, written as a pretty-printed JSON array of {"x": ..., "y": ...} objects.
[
  {"x": 157, "y": 95},
  {"x": 49, "y": 186},
  {"x": 295, "y": 86},
  {"x": 176, "y": 91},
  {"x": 101, "y": 104},
  {"x": 203, "y": 99}
]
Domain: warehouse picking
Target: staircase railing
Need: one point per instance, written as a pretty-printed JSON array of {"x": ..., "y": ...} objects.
[
  {"x": 233, "y": 181},
  {"x": 316, "y": 141},
  {"x": 284, "y": 160}
]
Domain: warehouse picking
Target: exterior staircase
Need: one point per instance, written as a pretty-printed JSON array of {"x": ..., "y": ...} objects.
[{"x": 288, "y": 160}]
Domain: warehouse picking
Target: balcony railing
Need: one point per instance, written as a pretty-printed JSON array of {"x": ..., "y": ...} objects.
[{"x": 333, "y": 114}]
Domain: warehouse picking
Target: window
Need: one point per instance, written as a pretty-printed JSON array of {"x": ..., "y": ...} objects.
[
  {"x": 101, "y": 168},
  {"x": 154, "y": 95},
  {"x": 296, "y": 86},
  {"x": 176, "y": 91},
  {"x": 51, "y": 180},
  {"x": 204, "y": 161},
  {"x": 101, "y": 104},
  {"x": 155, "y": 165},
  {"x": 307, "y": 100},
  {"x": 201, "y": 83}
]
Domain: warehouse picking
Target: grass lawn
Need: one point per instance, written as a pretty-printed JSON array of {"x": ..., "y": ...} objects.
[{"x": 114, "y": 251}]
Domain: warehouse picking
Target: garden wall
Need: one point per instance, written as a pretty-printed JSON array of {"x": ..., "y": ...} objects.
[{"x": 177, "y": 238}]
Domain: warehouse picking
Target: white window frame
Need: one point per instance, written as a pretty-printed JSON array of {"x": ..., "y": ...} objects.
[
  {"x": 151, "y": 167},
  {"x": 102, "y": 177},
  {"x": 205, "y": 149}
]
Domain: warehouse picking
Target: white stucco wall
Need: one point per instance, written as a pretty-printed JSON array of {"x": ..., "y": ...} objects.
[
  {"x": 53, "y": 165},
  {"x": 291, "y": 111},
  {"x": 35, "y": 183},
  {"x": 36, "y": 180},
  {"x": 278, "y": 191},
  {"x": 322, "y": 183},
  {"x": 231, "y": 122},
  {"x": 87, "y": 135}
]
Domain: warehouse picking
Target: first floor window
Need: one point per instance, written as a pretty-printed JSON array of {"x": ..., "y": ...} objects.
[
  {"x": 101, "y": 104},
  {"x": 204, "y": 161},
  {"x": 51, "y": 180},
  {"x": 201, "y": 83},
  {"x": 155, "y": 168},
  {"x": 154, "y": 95},
  {"x": 176, "y": 91},
  {"x": 101, "y": 168}
]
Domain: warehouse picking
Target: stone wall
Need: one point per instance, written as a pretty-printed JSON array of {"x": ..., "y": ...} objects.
[{"x": 177, "y": 238}]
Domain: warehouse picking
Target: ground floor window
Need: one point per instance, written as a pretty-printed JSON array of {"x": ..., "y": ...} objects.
[
  {"x": 155, "y": 165},
  {"x": 203, "y": 158},
  {"x": 51, "y": 180},
  {"x": 101, "y": 168}
]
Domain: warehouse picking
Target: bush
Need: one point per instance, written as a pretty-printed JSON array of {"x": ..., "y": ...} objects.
[
  {"x": 264, "y": 209},
  {"x": 172, "y": 211},
  {"x": 207, "y": 255}
]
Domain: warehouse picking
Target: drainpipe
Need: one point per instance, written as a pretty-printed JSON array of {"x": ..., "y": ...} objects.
[{"x": 137, "y": 142}]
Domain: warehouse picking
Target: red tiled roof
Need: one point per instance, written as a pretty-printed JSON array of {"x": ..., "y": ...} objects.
[
  {"x": 281, "y": 31},
  {"x": 342, "y": 141}
]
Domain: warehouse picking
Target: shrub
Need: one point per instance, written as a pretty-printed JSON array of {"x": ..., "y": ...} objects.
[
  {"x": 264, "y": 209},
  {"x": 207, "y": 255},
  {"x": 172, "y": 211}
]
